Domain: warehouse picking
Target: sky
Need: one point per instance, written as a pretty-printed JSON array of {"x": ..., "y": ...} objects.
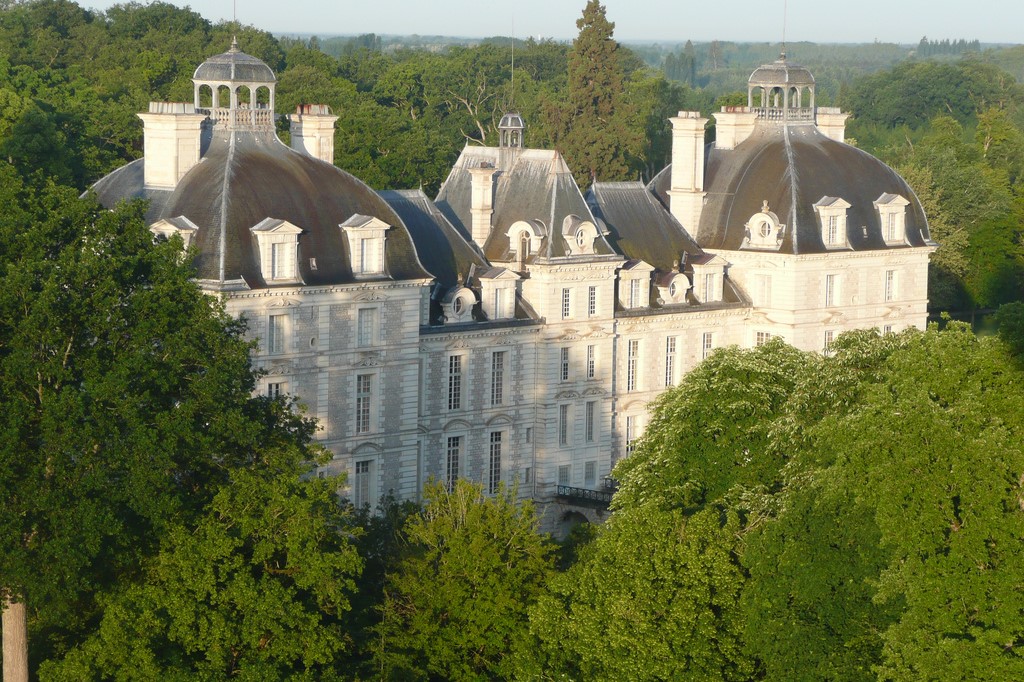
[{"x": 820, "y": 21}]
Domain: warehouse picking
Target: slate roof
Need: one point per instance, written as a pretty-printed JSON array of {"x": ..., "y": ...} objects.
[
  {"x": 444, "y": 252},
  {"x": 793, "y": 167},
  {"x": 245, "y": 177},
  {"x": 536, "y": 185},
  {"x": 781, "y": 72},
  {"x": 234, "y": 65},
  {"x": 638, "y": 226}
]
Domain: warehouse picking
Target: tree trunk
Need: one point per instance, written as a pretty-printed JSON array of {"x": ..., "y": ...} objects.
[{"x": 15, "y": 635}]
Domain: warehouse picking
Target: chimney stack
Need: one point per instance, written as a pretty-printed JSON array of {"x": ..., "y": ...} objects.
[
  {"x": 172, "y": 137},
  {"x": 482, "y": 202},
  {"x": 312, "y": 128},
  {"x": 686, "y": 194}
]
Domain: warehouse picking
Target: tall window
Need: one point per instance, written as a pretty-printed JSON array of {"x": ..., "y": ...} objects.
[
  {"x": 591, "y": 361},
  {"x": 890, "y": 285},
  {"x": 890, "y": 227},
  {"x": 366, "y": 326},
  {"x": 282, "y": 260},
  {"x": 361, "y": 487},
  {"x": 670, "y": 361},
  {"x": 364, "y": 394},
  {"x": 566, "y": 308},
  {"x": 634, "y": 293},
  {"x": 494, "y": 474},
  {"x": 632, "y": 364},
  {"x": 589, "y": 421},
  {"x": 763, "y": 290},
  {"x": 830, "y": 290},
  {"x": 563, "y": 366},
  {"x": 452, "y": 462},
  {"x": 630, "y": 434},
  {"x": 762, "y": 338},
  {"x": 454, "y": 382},
  {"x": 563, "y": 475},
  {"x": 706, "y": 344},
  {"x": 592, "y": 301},
  {"x": 498, "y": 312},
  {"x": 590, "y": 474},
  {"x": 826, "y": 348},
  {"x": 497, "y": 377},
  {"x": 371, "y": 255},
  {"x": 832, "y": 230},
  {"x": 276, "y": 389},
  {"x": 275, "y": 334},
  {"x": 710, "y": 293},
  {"x": 563, "y": 424},
  {"x": 524, "y": 249}
]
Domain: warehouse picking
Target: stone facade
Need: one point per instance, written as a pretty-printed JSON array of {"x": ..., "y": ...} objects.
[{"x": 513, "y": 331}]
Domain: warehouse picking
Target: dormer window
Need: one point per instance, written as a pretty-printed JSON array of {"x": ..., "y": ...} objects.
[
  {"x": 832, "y": 214},
  {"x": 708, "y": 277},
  {"x": 764, "y": 231},
  {"x": 579, "y": 235},
  {"x": 524, "y": 238},
  {"x": 892, "y": 212},
  {"x": 457, "y": 305},
  {"x": 278, "y": 242},
  {"x": 635, "y": 284},
  {"x": 672, "y": 287},
  {"x": 498, "y": 293},
  {"x": 366, "y": 242},
  {"x": 169, "y": 227}
]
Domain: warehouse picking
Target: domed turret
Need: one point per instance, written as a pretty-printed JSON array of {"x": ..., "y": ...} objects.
[
  {"x": 782, "y": 92},
  {"x": 510, "y": 138},
  {"x": 236, "y": 90}
]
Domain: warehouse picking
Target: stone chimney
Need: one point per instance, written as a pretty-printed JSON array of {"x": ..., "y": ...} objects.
[
  {"x": 172, "y": 142},
  {"x": 733, "y": 125},
  {"x": 686, "y": 193},
  {"x": 312, "y": 128},
  {"x": 832, "y": 122},
  {"x": 482, "y": 202}
]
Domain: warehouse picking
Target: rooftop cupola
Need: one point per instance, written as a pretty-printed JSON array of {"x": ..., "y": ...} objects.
[
  {"x": 236, "y": 90},
  {"x": 510, "y": 138},
  {"x": 781, "y": 92}
]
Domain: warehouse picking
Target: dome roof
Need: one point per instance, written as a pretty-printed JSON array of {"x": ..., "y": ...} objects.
[
  {"x": 234, "y": 65},
  {"x": 246, "y": 177},
  {"x": 512, "y": 120},
  {"x": 781, "y": 72}
]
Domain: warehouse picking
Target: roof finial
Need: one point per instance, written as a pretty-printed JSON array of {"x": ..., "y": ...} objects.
[{"x": 234, "y": 44}]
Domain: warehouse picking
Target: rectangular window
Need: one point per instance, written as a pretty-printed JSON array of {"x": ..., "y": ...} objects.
[
  {"x": 589, "y": 421},
  {"x": 529, "y": 434},
  {"x": 887, "y": 329},
  {"x": 366, "y": 327},
  {"x": 497, "y": 304},
  {"x": 832, "y": 231},
  {"x": 563, "y": 424},
  {"x": 830, "y": 290},
  {"x": 361, "y": 486},
  {"x": 634, "y": 293},
  {"x": 563, "y": 366},
  {"x": 591, "y": 361},
  {"x": 890, "y": 285},
  {"x": 590, "y": 474},
  {"x": 275, "y": 334},
  {"x": 452, "y": 461},
  {"x": 630, "y": 434},
  {"x": 706, "y": 344},
  {"x": 370, "y": 256},
  {"x": 364, "y": 393},
  {"x": 276, "y": 390},
  {"x": 670, "y": 361},
  {"x": 454, "y": 382},
  {"x": 826, "y": 348},
  {"x": 632, "y": 364},
  {"x": 762, "y": 338},
  {"x": 709, "y": 288},
  {"x": 566, "y": 309},
  {"x": 528, "y": 475},
  {"x": 890, "y": 227},
  {"x": 497, "y": 377},
  {"x": 279, "y": 257},
  {"x": 563, "y": 475},
  {"x": 763, "y": 291},
  {"x": 494, "y": 474},
  {"x": 592, "y": 301}
]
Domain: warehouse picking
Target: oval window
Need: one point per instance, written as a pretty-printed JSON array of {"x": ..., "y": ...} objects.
[
  {"x": 672, "y": 289},
  {"x": 766, "y": 229},
  {"x": 458, "y": 305},
  {"x": 581, "y": 239}
]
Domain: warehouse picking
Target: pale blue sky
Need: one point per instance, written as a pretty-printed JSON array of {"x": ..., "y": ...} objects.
[{"x": 902, "y": 21}]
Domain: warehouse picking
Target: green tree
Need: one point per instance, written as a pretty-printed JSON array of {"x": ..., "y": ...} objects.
[
  {"x": 255, "y": 590},
  {"x": 591, "y": 127},
  {"x": 457, "y": 602},
  {"x": 653, "y": 597},
  {"x": 126, "y": 400}
]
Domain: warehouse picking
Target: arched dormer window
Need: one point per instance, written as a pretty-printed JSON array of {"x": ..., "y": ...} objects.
[
  {"x": 764, "y": 231},
  {"x": 579, "y": 235},
  {"x": 278, "y": 243},
  {"x": 832, "y": 215},
  {"x": 366, "y": 241},
  {"x": 525, "y": 237},
  {"x": 892, "y": 213},
  {"x": 457, "y": 305}
]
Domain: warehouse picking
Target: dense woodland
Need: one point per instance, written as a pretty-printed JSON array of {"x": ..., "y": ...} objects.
[{"x": 787, "y": 516}]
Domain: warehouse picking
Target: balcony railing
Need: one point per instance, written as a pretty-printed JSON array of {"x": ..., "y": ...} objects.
[{"x": 584, "y": 497}]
